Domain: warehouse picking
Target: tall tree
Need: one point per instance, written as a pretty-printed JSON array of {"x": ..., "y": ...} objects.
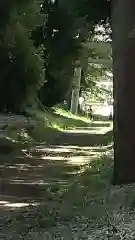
[
  {"x": 21, "y": 66},
  {"x": 68, "y": 25},
  {"x": 76, "y": 88},
  {"x": 124, "y": 91}
]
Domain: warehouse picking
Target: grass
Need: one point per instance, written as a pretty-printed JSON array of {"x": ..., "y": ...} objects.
[
  {"x": 61, "y": 119},
  {"x": 69, "y": 115},
  {"x": 48, "y": 123}
]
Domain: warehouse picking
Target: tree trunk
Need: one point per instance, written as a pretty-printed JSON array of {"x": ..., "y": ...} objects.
[
  {"x": 76, "y": 90},
  {"x": 124, "y": 91}
]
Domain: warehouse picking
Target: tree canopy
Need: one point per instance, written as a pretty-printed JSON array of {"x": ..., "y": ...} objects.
[
  {"x": 68, "y": 25},
  {"x": 40, "y": 37}
]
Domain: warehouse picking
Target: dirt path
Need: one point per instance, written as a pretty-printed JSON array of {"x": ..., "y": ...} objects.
[{"x": 45, "y": 176}]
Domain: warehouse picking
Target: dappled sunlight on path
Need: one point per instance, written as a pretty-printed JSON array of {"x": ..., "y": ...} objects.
[
  {"x": 46, "y": 173},
  {"x": 26, "y": 177}
]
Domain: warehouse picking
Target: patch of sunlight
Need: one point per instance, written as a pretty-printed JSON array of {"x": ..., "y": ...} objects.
[
  {"x": 46, "y": 183},
  {"x": 100, "y": 123},
  {"x": 17, "y": 205},
  {"x": 23, "y": 167},
  {"x": 52, "y": 158},
  {"x": 101, "y": 130},
  {"x": 17, "y": 166},
  {"x": 10, "y": 139},
  {"x": 70, "y": 115},
  {"x": 104, "y": 110},
  {"x": 71, "y": 147},
  {"x": 12, "y": 167},
  {"x": 29, "y": 182},
  {"x": 17, "y": 181},
  {"x": 3, "y": 202},
  {"x": 79, "y": 160},
  {"x": 59, "y": 150},
  {"x": 80, "y": 148},
  {"x": 105, "y": 130}
]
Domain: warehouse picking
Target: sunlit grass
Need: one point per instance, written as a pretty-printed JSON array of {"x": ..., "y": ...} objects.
[{"x": 68, "y": 114}]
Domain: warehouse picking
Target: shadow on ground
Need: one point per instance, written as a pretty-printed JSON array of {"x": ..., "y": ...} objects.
[
  {"x": 53, "y": 174},
  {"x": 27, "y": 173},
  {"x": 84, "y": 138}
]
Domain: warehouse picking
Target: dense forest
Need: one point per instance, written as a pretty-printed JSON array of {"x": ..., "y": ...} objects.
[
  {"x": 67, "y": 119},
  {"x": 39, "y": 50}
]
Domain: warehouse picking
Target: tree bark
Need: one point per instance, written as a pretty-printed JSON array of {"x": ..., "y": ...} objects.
[
  {"x": 124, "y": 91},
  {"x": 76, "y": 90}
]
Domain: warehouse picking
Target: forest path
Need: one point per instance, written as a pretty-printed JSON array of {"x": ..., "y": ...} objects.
[
  {"x": 26, "y": 176},
  {"x": 45, "y": 175}
]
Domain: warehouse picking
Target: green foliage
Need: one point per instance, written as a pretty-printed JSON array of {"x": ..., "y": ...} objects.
[
  {"x": 21, "y": 65},
  {"x": 68, "y": 25},
  {"x": 37, "y": 35}
]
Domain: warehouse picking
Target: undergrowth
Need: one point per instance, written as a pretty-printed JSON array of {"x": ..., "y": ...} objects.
[{"x": 45, "y": 123}]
